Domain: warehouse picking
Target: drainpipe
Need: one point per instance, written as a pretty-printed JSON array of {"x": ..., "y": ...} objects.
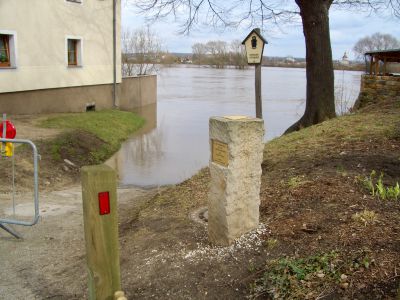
[{"x": 114, "y": 96}]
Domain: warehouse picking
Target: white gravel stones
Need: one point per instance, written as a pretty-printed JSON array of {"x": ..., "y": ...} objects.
[{"x": 252, "y": 240}]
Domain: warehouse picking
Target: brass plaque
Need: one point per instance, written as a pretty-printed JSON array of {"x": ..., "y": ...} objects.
[{"x": 220, "y": 153}]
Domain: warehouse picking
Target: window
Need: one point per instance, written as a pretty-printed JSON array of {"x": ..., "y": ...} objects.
[
  {"x": 8, "y": 46},
  {"x": 5, "y": 59},
  {"x": 74, "y": 52}
]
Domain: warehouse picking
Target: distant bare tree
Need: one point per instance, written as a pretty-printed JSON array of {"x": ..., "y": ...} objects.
[
  {"x": 127, "y": 42},
  {"x": 377, "y": 41},
  {"x": 218, "y": 53},
  {"x": 141, "y": 52},
  {"x": 199, "y": 52},
  {"x": 168, "y": 59},
  {"x": 238, "y": 54}
]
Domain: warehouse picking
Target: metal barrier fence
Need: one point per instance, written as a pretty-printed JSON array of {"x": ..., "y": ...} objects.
[{"x": 35, "y": 186}]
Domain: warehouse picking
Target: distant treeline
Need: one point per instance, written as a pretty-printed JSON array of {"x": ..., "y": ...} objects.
[
  {"x": 284, "y": 63},
  {"x": 142, "y": 53},
  {"x": 219, "y": 54},
  {"x": 230, "y": 59}
]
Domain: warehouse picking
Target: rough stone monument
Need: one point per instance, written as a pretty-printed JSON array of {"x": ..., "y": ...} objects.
[{"x": 235, "y": 165}]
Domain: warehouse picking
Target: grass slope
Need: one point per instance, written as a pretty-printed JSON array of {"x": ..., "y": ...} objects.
[
  {"x": 313, "y": 199},
  {"x": 101, "y": 133},
  {"x": 85, "y": 139}
]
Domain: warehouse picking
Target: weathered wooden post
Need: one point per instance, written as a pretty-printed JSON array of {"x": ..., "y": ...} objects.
[
  {"x": 254, "y": 44},
  {"x": 119, "y": 296},
  {"x": 236, "y": 155},
  {"x": 99, "y": 195}
]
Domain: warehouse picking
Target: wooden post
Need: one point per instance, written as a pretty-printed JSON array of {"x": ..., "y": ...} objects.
[
  {"x": 376, "y": 65},
  {"x": 101, "y": 231},
  {"x": 119, "y": 296},
  {"x": 258, "y": 86},
  {"x": 371, "y": 64},
  {"x": 384, "y": 66},
  {"x": 258, "y": 92}
]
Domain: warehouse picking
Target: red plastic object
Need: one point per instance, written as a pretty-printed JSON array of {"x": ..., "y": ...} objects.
[
  {"x": 11, "y": 132},
  {"x": 104, "y": 203}
]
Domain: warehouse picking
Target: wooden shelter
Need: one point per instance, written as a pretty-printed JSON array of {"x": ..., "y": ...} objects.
[{"x": 381, "y": 57}]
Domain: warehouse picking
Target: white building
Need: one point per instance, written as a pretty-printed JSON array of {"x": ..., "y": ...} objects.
[
  {"x": 345, "y": 59},
  {"x": 290, "y": 59},
  {"x": 57, "y": 55}
]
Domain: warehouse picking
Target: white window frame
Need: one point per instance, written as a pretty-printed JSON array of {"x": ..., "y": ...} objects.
[
  {"x": 12, "y": 44},
  {"x": 79, "y": 48}
]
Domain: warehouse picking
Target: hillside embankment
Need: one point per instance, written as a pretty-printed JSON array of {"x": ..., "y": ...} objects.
[{"x": 330, "y": 227}]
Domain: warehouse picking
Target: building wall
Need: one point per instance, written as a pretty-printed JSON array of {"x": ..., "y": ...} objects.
[
  {"x": 138, "y": 92},
  {"x": 378, "y": 88},
  {"x": 132, "y": 93},
  {"x": 41, "y": 27}
]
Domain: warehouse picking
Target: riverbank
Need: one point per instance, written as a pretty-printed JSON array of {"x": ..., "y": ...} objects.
[
  {"x": 272, "y": 64},
  {"x": 322, "y": 234},
  {"x": 67, "y": 142}
]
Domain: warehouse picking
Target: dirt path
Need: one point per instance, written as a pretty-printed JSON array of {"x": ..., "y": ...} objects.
[
  {"x": 49, "y": 263},
  {"x": 164, "y": 255},
  {"x": 27, "y": 128}
]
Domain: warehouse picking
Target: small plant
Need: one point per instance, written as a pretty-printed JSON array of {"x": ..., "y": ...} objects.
[
  {"x": 368, "y": 182},
  {"x": 306, "y": 278},
  {"x": 252, "y": 268},
  {"x": 3, "y": 58},
  {"x": 271, "y": 243},
  {"x": 288, "y": 276},
  {"x": 367, "y": 217},
  {"x": 380, "y": 188},
  {"x": 393, "y": 192},
  {"x": 296, "y": 181},
  {"x": 341, "y": 170},
  {"x": 377, "y": 187}
]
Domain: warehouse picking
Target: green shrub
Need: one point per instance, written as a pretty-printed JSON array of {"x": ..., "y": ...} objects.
[{"x": 377, "y": 187}]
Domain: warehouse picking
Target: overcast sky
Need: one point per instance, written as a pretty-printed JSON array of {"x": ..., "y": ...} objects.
[{"x": 346, "y": 29}]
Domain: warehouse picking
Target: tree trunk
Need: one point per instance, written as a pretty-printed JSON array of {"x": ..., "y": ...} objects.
[{"x": 320, "y": 100}]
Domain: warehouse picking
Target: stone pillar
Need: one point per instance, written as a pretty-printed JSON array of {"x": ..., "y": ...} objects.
[{"x": 235, "y": 165}]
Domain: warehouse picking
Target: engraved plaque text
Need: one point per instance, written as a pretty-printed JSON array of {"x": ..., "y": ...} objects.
[{"x": 220, "y": 154}]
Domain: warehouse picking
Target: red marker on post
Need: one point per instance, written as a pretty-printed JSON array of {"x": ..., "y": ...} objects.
[
  {"x": 10, "y": 131},
  {"x": 104, "y": 203}
]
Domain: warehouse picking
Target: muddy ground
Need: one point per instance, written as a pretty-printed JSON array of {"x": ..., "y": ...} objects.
[
  {"x": 166, "y": 256},
  {"x": 310, "y": 195}
]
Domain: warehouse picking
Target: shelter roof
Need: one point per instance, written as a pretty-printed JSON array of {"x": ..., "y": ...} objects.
[
  {"x": 257, "y": 33},
  {"x": 390, "y": 55}
]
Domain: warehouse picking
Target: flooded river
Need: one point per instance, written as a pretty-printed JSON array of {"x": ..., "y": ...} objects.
[{"x": 173, "y": 145}]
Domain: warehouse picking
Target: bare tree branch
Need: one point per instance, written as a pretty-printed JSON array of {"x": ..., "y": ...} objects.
[
  {"x": 141, "y": 50},
  {"x": 220, "y": 13},
  {"x": 247, "y": 13},
  {"x": 377, "y": 41}
]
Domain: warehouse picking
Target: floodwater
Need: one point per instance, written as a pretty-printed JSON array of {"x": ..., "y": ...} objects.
[{"x": 173, "y": 145}]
